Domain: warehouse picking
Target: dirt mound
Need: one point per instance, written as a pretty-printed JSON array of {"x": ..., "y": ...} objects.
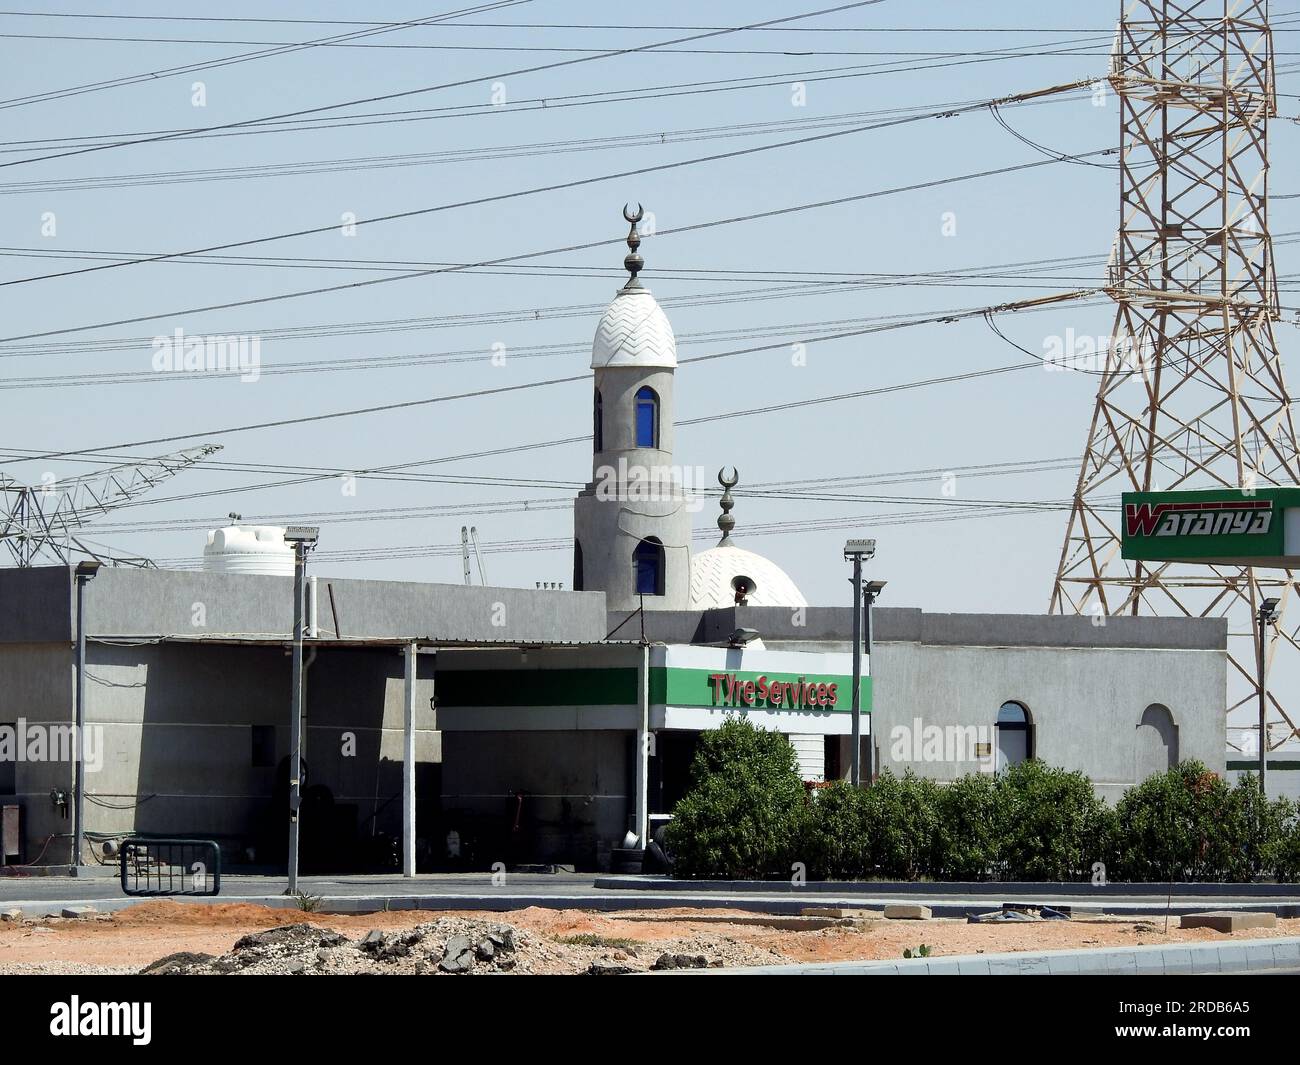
[{"x": 450, "y": 945}]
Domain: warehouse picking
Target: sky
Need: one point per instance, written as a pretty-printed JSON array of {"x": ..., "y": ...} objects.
[{"x": 917, "y": 467}]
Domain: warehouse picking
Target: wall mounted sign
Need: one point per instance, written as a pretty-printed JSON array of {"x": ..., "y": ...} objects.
[{"x": 1259, "y": 527}]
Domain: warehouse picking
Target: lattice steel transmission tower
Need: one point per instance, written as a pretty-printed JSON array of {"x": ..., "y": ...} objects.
[
  {"x": 40, "y": 522},
  {"x": 1193, "y": 394}
]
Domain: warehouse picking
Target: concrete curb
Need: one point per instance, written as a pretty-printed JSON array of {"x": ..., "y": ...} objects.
[
  {"x": 504, "y": 901},
  {"x": 1156, "y": 960},
  {"x": 968, "y": 889}
]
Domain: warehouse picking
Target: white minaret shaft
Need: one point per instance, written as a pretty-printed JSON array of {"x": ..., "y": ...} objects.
[{"x": 631, "y": 525}]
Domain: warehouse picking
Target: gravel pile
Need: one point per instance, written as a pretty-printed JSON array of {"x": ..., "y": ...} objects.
[{"x": 450, "y": 946}]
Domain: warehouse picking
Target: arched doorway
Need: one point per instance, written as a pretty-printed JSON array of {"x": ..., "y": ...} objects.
[{"x": 1015, "y": 735}]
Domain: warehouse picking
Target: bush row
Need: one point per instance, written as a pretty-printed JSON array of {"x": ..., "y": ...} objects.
[{"x": 747, "y": 815}]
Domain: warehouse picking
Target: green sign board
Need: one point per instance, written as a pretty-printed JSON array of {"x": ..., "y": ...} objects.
[
  {"x": 757, "y": 690},
  {"x": 1227, "y": 526}
]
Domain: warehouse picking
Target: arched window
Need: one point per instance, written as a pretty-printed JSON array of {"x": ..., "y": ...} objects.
[
  {"x": 648, "y": 567},
  {"x": 1015, "y": 735},
  {"x": 598, "y": 423},
  {"x": 577, "y": 565},
  {"x": 647, "y": 418},
  {"x": 1157, "y": 742}
]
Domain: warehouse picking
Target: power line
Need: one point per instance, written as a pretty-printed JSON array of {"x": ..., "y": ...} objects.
[
  {"x": 535, "y": 190},
  {"x": 445, "y": 85},
  {"x": 295, "y": 168},
  {"x": 999, "y": 171},
  {"x": 275, "y": 48}
]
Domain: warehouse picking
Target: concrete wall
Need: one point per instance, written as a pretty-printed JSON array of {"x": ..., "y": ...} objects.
[
  {"x": 36, "y": 687},
  {"x": 575, "y": 785},
  {"x": 35, "y": 605},
  {"x": 1086, "y": 704},
  {"x": 174, "y": 725}
]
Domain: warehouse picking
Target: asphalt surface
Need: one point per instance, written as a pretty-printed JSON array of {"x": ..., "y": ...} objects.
[{"x": 579, "y": 891}]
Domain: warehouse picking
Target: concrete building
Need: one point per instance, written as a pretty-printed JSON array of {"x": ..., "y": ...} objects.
[{"x": 451, "y": 725}]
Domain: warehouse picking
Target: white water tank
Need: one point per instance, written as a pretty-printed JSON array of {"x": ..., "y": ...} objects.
[{"x": 248, "y": 549}]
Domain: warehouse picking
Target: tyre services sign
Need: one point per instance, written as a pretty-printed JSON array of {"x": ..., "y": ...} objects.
[{"x": 1227, "y": 526}]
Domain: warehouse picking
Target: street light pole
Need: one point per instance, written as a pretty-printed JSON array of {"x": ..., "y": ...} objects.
[
  {"x": 303, "y": 539},
  {"x": 1268, "y": 615},
  {"x": 873, "y": 590},
  {"x": 856, "y": 551},
  {"x": 856, "y": 749},
  {"x": 84, "y": 574}
]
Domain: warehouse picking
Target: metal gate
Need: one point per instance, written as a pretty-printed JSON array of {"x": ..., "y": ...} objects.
[{"x": 170, "y": 867}]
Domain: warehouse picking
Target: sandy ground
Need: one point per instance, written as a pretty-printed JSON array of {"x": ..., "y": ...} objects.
[{"x": 129, "y": 939}]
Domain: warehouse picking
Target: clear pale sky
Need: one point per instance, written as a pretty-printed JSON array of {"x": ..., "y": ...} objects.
[{"x": 981, "y": 563}]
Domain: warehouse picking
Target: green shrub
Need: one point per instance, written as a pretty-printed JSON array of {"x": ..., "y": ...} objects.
[
  {"x": 833, "y": 839},
  {"x": 969, "y": 829},
  {"x": 903, "y": 815},
  {"x": 1286, "y": 852},
  {"x": 1172, "y": 827},
  {"x": 1050, "y": 824},
  {"x": 739, "y": 817}
]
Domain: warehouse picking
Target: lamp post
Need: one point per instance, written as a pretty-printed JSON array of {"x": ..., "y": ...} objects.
[
  {"x": 84, "y": 574},
  {"x": 872, "y": 593},
  {"x": 856, "y": 551},
  {"x": 1267, "y": 615},
  {"x": 303, "y": 538}
]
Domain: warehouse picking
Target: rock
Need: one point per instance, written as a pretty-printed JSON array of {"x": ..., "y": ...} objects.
[
  {"x": 296, "y": 967},
  {"x": 458, "y": 957},
  {"x": 680, "y": 961},
  {"x": 176, "y": 963},
  {"x": 302, "y": 936},
  {"x": 503, "y": 937},
  {"x": 601, "y": 968},
  {"x": 907, "y": 911},
  {"x": 372, "y": 942},
  {"x": 11, "y": 915},
  {"x": 461, "y": 963},
  {"x": 505, "y": 964},
  {"x": 485, "y": 949},
  {"x": 1227, "y": 920},
  {"x": 78, "y": 911},
  {"x": 837, "y": 912},
  {"x": 40, "y": 928}
]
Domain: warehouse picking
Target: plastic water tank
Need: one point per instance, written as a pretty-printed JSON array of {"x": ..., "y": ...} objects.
[{"x": 249, "y": 549}]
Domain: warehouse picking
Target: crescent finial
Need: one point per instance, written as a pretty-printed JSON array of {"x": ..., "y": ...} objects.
[
  {"x": 633, "y": 216},
  {"x": 728, "y": 482}
]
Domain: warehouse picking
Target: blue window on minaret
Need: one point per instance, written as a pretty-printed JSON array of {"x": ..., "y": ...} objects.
[
  {"x": 648, "y": 567},
  {"x": 647, "y": 418}
]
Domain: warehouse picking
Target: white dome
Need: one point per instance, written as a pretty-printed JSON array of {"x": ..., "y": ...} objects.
[
  {"x": 712, "y": 572},
  {"x": 634, "y": 331}
]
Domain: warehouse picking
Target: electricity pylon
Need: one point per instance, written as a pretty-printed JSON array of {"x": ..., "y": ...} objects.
[
  {"x": 1192, "y": 395},
  {"x": 37, "y": 522}
]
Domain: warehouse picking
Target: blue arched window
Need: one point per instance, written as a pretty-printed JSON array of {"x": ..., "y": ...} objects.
[
  {"x": 647, "y": 418},
  {"x": 598, "y": 423},
  {"x": 648, "y": 567}
]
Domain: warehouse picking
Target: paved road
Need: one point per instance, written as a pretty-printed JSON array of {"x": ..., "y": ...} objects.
[{"x": 578, "y": 891}]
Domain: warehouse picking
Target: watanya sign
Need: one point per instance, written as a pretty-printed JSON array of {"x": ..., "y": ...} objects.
[{"x": 1229, "y": 526}]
